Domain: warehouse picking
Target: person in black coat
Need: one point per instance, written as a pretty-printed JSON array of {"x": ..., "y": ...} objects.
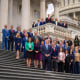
[
  {"x": 34, "y": 25},
  {"x": 30, "y": 34},
  {"x": 52, "y": 21},
  {"x": 48, "y": 19},
  {"x": 69, "y": 42},
  {"x": 11, "y": 38},
  {"x": 67, "y": 61},
  {"x": 60, "y": 23},
  {"x": 65, "y": 25}
]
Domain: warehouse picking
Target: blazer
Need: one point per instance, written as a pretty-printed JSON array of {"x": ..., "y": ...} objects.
[
  {"x": 46, "y": 51},
  {"x": 37, "y": 48},
  {"x": 77, "y": 57},
  {"x": 20, "y": 33},
  {"x": 33, "y": 38},
  {"x": 24, "y": 40},
  {"x": 63, "y": 57},
  {"x": 5, "y": 33},
  {"x": 64, "y": 26},
  {"x": 48, "y": 20},
  {"x": 27, "y": 46},
  {"x": 34, "y": 25},
  {"x": 69, "y": 44},
  {"x": 30, "y": 34},
  {"x": 53, "y": 53},
  {"x": 53, "y": 22},
  {"x": 11, "y": 34},
  {"x": 60, "y": 24},
  {"x": 42, "y": 23},
  {"x": 38, "y": 24},
  {"x": 67, "y": 58},
  {"x": 17, "y": 40}
]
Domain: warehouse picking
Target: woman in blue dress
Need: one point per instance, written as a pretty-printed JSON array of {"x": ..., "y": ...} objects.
[{"x": 18, "y": 44}]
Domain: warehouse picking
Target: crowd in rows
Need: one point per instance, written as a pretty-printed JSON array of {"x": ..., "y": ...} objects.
[
  {"x": 50, "y": 20},
  {"x": 55, "y": 55}
]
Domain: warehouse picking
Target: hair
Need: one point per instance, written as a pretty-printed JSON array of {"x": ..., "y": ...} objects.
[
  {"x": 28, "y": 39},
  {"x": 18, "y": 34},
  {"x": 60, "y": 48},
  {"x": 37, "y": 41}
]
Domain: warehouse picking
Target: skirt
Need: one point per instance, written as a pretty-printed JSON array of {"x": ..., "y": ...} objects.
[
  {"x": 36, "y": 56},
  {"x": 29, "y": 54}
]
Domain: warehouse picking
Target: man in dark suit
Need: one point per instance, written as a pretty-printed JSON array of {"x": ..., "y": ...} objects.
[
  {"x": 5, "y": 37},
  {"x": 46, "y": 55},
  {"x": 34, "y": 25},
  {"x": 11, "y": 38},
  {"x": 42, "y": 22},
  {"x": 60, "y": 23},
  {"x": 30, "y": 34},
  {"x": 48, "y": 19},
  {"x": 24, "y": 40},
  {"x": 23, "y": 34},
  {"x": 35, "y": 36},
  {"x": 65, "y": 25}
]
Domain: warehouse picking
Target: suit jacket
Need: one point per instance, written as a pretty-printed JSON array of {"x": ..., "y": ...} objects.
[
  {"x": 69, "y": 44},
  {"x": 46, "y": 51},
  {"x": 30, "y": 34},
  {"x": 64, "y": 26},
  {"x": 60, "y": 24},
  {"x": 34, "y": 37},
  {"x": 38, "y": 24},
  {"x": 11, "y": 34},
  {"x": 48, "y": 20},
  {"x": 5, "y": 33},
  {"x": 53, "y": 22},
  {"x": 24, "y": 40},
  {"x": 67, "y": 59},
  {"x": 42, "y": 23},
  {"x": 34, "y": 25}
]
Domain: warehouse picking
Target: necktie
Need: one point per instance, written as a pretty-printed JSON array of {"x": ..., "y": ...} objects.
[
  {"x": 53, "y": 49},
  {"x": 48, "y": 19},
  {"x": 12, "y": 31}
]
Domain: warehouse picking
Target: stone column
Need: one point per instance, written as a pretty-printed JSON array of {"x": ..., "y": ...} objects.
[
  {"x": 71, "y": 2},
  {"x": 74, "y": 15},
  {"x": 26, "y": 14},
  {"x": 66, "y": 2},
  {"x": 62, "y": 3},
  {"x": 42, "y": 9},
  {"x": 56, "y": 11},
  {"x": 4, "y": 13},
  {"x": 76, "y": 1},
  {"x": 10, "y": 12}
]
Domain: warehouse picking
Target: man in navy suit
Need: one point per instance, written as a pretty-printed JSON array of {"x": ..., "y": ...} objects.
[
  {"x": 52, "y": 21},
  {"x": 46, "y": 55},
  {"x": 5, "y": 37},
  {"x": 11, "y": 38},
  {"x": 23, "y": 34},
  {"x": 60, "y": 23},
  {"x": 24, "y": 40},
  {"x": 48, "y": 19},
  {"x": 38, "y": 23},
  {"x": 42, "y": 22},
  {"x": 34, "y": 25},
  {"x": 30, "y": 34},
  {"x": 65, "y": 25}
]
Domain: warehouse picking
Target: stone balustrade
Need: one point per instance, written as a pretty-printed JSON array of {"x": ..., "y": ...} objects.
[{"x": 53, "y": 29}]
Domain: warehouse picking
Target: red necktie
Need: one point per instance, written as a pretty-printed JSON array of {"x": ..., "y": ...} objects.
[
  {"x": 48, "y": 19},
  {"x": 69, "y": 42},
  {"x": 42, "y": 22},
  {"x": 12, "y": 31},
  {"x": 53, "y": 49}
]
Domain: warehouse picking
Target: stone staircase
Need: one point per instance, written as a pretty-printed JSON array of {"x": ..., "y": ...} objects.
[{"x": 12, "y": 69}]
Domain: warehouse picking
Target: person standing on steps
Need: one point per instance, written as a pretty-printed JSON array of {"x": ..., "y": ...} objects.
[
  {"x": 11, "y": 38},
  {"x": 18, "y": 41},
  {"x": 5, "y": 37}
]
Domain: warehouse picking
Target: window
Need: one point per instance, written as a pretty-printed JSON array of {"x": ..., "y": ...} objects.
[
  {"x": 64, "y": 2},
  {"x": 68, "y": 2},
  {"x": 73, "y": 1}
]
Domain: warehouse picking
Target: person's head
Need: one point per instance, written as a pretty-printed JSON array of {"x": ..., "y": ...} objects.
[
  {"x": 24, "y": 31},
  {"x": 56, "y": 39},
  {"x": 48, "y": 15},
  {"x": 60, "y": 21},
  {"x": 48, "y": 35},
  {"x": 18, "y": 29},
  {"x": 65, "y": 22},
  {"x": 53, "y": 44},
  {"x": 52, "y": 19},
  {"x": 18, "y": 35},
  {"x": 70, "y": 39},
  {"x": 71, "y": 51},
  {"x": 61, "y": 49},
  {"x": 66, "y": 51},
  {"x": 76, "y": 37},
  {"x": 76, "y": 49},
  {"x": 35, "y": 33},
  {"x": 36, "y": 41},
  {"x": 66, "y": 44},
  {"x": 11, "y": 26},
  {"x": 34, "y": 22},
  {"x": 42, "y": 19},
  {"x": 29, "y": 40},
  {"x": 30, "y": 30},
  {"x": 38, "y": 21},
  {"x": 42, "y": 42},
  {"x": 5, "y": 26},
  {"x": 65, "y": 38},
  {"x": 46, "y": 41},
  {"x": 26, "y": 35},
  {"x": 56, "y": 19}
]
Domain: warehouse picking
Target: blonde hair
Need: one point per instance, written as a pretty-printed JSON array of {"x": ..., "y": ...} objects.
[{"x": 18, "y": 35}]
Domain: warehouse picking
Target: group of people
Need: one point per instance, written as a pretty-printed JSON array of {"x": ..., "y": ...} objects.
[
  {"x": 50, "y": 20},
  {"x": 55, "y": 55}
]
